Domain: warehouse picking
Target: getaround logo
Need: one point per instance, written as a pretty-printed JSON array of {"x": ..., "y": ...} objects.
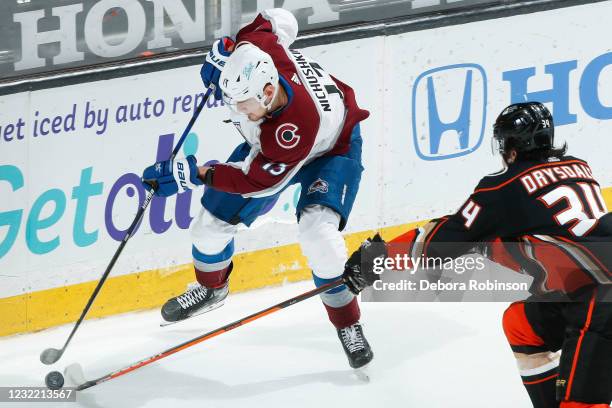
[
  {"x": 449, "y": 111},
  {"x": 39, "y": 221}
]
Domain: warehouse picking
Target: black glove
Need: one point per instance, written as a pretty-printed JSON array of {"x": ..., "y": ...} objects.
[{"x": 359, "y": 269}]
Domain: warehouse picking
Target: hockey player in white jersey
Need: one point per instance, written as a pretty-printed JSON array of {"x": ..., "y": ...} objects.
[{"x": 301, "y": 125}]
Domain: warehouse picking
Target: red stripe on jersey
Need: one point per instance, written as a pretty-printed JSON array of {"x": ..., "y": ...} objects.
[
  {"x": 541, "y": 381},
  {"x": 501, "y": 256},
  {"x": 586, "y": 327}
]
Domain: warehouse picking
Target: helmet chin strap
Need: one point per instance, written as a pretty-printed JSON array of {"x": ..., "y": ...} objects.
[{"x": 268, "y": 106}]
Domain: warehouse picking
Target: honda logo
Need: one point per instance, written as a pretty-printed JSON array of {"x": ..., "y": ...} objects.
[{"x": 449, "y": 111}]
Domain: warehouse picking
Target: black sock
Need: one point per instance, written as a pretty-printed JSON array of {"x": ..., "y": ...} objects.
[{"x": 542, "y": 388}]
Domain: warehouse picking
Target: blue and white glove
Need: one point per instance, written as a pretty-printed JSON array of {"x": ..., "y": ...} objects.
[
  {"x": 214, "y": 63},
  {"x": 172, "y": 176}
]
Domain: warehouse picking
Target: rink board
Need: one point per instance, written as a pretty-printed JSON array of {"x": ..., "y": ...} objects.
[
  {"x": 126, "y": 293},
  {"x": 69, "y": 178}
]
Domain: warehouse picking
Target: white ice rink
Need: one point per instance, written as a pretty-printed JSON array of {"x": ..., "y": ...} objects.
[{"x": 430, "y": 355}]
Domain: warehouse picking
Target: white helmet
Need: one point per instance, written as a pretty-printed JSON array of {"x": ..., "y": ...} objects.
[{"x": 246, "y": 73}]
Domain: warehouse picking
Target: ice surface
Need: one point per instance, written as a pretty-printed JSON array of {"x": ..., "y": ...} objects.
[{"x": 426, "y": 355}]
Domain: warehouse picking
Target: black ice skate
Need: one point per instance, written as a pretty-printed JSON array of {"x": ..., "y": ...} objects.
[
  {"x": 355, "y": 345},
  {"x": 196, "y": 300}
]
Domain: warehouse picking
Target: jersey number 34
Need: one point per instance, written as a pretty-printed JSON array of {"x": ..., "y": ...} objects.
[{"x": 575, "y": 215}]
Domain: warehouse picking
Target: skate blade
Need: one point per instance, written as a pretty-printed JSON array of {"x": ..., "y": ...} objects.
[
  {"x": 74, "y": 375},
  {"x": 205, "y": 310},
  {"x": 363, "y": 373}
]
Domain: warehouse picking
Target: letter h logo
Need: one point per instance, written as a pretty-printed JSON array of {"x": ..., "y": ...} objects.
[{"x": 447, "y": 123}]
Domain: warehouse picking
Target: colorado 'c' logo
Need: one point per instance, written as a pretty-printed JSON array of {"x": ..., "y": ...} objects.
[{"x": 286, "y": 136}]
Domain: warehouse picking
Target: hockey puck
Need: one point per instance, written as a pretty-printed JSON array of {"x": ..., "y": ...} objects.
[{"x": 54, "y": 380}]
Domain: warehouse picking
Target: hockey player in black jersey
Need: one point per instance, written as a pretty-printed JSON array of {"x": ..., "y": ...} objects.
[{"x": 543, "y": 215}]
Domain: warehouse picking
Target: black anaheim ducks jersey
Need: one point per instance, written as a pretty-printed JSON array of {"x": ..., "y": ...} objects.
[{"x": 547, "y": 219}]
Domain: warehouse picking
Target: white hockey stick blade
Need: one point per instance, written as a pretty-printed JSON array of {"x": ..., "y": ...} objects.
[{"x": 74, "y": 375}]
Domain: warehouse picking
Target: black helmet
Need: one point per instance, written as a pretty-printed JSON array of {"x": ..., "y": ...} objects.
[{"x": 526, "y": 127}]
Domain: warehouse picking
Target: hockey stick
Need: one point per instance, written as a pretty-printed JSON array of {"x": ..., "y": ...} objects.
[
  {"x": 74, "y": 371},
  {"x": 51, "y": 355}
]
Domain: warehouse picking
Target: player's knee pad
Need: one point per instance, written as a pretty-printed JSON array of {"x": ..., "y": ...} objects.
[
  {"x": 321, "y": 241},
  {"x": 211, "y": 235},
  {"x": 520, "y": 333},
  {"x": 586, "y": 364}
]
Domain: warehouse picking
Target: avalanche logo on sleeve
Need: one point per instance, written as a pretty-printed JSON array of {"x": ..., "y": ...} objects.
[
  {"x": 286, "y": 136},
  {"x": 319, "y": 185}
]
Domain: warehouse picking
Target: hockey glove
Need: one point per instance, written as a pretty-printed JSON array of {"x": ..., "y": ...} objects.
[
  {"x": 359, "y": 269},
  {"x": 214, "y": 63},
  {"x": 171, "y": 176}
]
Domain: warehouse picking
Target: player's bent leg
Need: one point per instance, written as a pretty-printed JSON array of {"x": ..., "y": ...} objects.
[
  {"x": 329, "y": 187},
  {"x": 537, "y": 365},
  {"x": 212, "y": 250},
  {"x": 324, "y": 247},
  {"x": 586, "y": 363}
]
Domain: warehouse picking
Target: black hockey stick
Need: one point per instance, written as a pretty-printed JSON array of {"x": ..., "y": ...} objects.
[
  {"x": 51, "y": 355},
  {"x": 75, "y": 373}
]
